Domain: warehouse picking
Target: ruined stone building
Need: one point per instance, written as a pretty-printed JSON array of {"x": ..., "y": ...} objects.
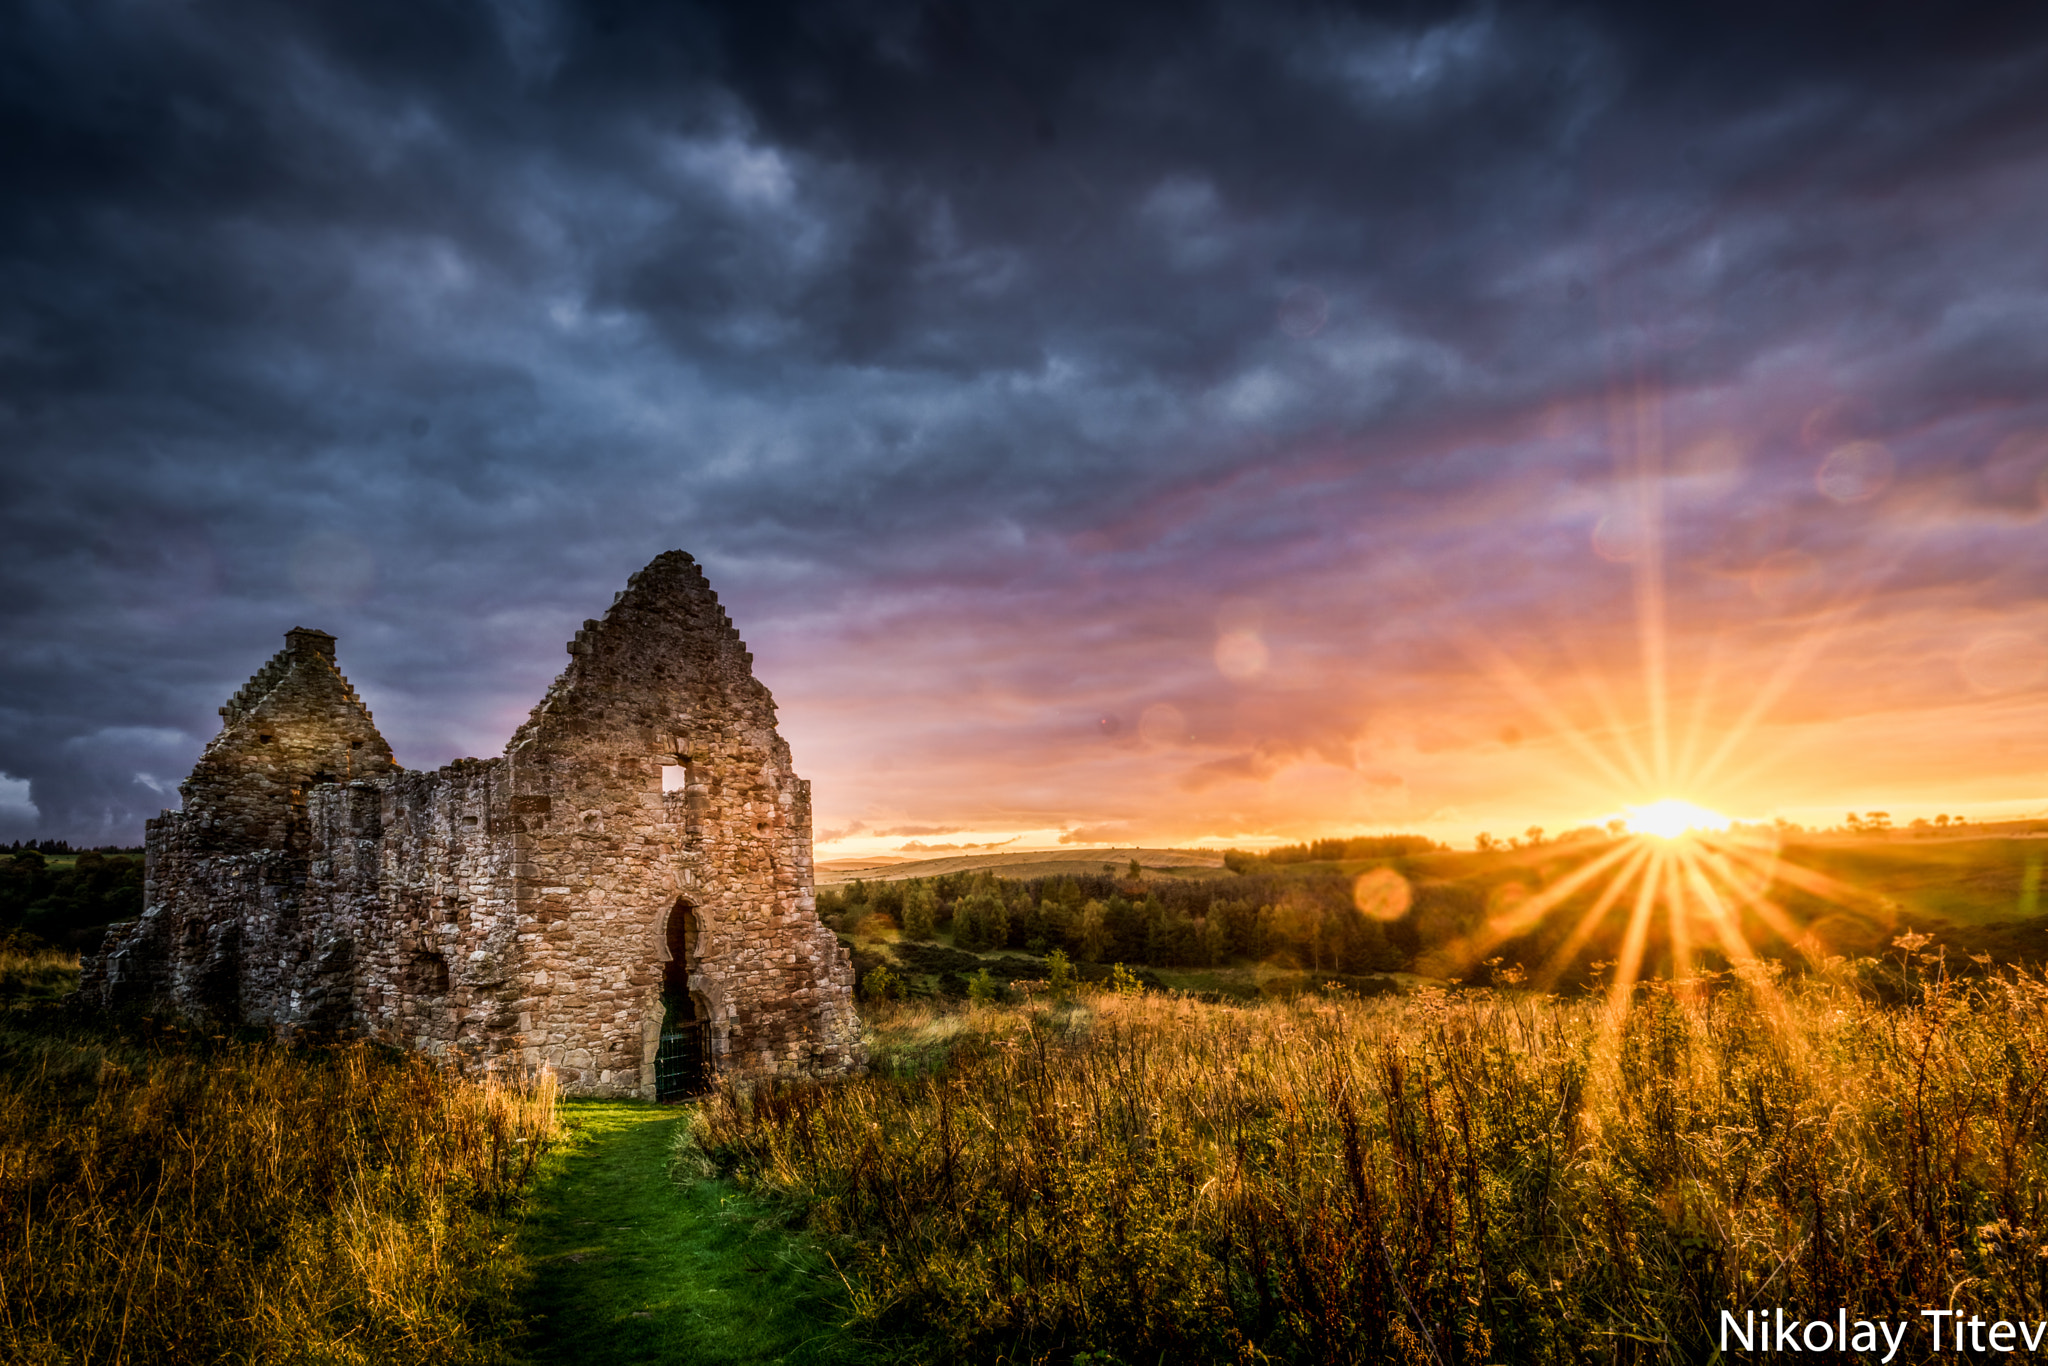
[{"x": 624, "y": 896}]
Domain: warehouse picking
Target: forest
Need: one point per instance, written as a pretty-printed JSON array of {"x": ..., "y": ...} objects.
[
  {"x": 67, "y": 900},
  {"x": 1309, "y": 917}
]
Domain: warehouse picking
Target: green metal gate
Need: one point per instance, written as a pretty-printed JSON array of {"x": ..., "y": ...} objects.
[{"x": 682, "y": 1065}]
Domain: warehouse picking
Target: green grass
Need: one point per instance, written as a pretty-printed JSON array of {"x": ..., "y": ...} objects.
[
  {"x": 615, "y": 1260},
  {"x": 632, "y": 1260}
]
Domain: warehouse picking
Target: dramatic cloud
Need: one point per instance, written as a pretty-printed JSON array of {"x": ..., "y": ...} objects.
[{"x": 1109, "y": 423}]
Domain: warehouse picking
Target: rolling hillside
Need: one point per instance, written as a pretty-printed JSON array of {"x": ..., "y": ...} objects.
[{"x": 1027, "y": 864}]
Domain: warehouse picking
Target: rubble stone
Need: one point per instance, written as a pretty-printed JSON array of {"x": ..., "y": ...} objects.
[{"x": 522, "y": 911}]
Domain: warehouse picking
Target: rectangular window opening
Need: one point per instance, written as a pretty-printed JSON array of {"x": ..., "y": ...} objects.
[{"x": 674, "y": 777}]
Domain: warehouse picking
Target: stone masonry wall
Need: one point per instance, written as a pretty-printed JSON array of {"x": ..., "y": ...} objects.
[
  {"x": 510, "y": 912},
  {"x": 413, "y": 873},
  {"x": 297, "y": 723}
]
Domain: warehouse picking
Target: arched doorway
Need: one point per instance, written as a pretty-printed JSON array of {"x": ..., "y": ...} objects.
[{"x": 682, "y": 1061}]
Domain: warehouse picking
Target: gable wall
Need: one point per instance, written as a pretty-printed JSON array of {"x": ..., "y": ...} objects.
[
  {"x": 297, "y": 720},
  {"x": 603, "y": 855},
  {"x": 221, "y": 935}
]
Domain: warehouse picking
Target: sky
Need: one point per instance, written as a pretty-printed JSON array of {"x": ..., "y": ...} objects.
[{"x": 1107, "y": 423}]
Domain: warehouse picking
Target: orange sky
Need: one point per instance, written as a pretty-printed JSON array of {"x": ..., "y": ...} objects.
[{"x": 1794, "y": 641}]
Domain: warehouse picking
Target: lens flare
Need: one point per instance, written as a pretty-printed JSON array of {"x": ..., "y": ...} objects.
[
  {"x": 1671, "y": 818},
  {"x": 1383, "y": 894}
]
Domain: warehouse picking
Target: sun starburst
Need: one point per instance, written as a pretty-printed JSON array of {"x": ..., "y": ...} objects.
[
  {"x": 1672, "y": 817},
  {"x": 1688, "y": 880}
]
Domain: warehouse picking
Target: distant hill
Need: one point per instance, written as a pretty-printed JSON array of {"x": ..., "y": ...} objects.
[
  {"x": 858, "y": 867},
  {"x": 1023, "y": 865}
]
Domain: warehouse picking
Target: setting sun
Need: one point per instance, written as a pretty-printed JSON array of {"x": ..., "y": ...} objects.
[{"x": 1670, "y": 818}]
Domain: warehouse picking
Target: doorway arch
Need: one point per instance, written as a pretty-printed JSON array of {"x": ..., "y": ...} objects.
[{"x": 682, "y": 1059}]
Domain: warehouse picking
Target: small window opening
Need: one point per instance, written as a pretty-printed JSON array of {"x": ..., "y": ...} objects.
[
  {"x": 265, "y": 739},
  {"x": 355, "y": 744},
  {"x": 674, "y": 777},
  {"x": 430, "y": 973}
]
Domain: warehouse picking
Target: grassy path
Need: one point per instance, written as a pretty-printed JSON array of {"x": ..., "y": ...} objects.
[{"x": 629, "y": 1266}]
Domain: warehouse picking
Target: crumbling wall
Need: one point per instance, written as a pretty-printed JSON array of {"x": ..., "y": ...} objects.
[
  {"x": 411, "y": 881},
  {"x": 296, "y": 723},
  {"x": 220, "y": 936}
]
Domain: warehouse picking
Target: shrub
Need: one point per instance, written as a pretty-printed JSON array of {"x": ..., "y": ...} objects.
[
  {"x": 1060, "y": 979},
  {"x": 983, "y": 988}
]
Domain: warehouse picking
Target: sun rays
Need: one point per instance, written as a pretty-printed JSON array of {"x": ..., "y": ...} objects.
[
  {"x": 1694, "y": 889},
  {"x": 1683, "y": 887}
]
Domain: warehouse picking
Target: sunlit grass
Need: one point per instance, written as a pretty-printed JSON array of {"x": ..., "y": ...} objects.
[
  {"x": 36, "y": 975},
  {"x": 184, "y": 1199},
  {"x": 631, "y": 1259},
  {"x": 1475, "y": 1177}
]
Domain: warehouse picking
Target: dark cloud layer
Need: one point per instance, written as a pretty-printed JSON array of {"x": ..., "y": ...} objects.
[{"x": 1147, "y": 418}]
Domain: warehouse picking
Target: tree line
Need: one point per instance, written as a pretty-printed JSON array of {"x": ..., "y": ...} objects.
[
  {"x": 1331, "y": 851},
  {"x": 64, "y": 847},
  {"x": 67, "y": 907},
  {"x": 1306, "y": 919}
]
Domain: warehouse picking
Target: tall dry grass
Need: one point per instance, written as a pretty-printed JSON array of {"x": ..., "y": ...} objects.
[
  {"x": 1441, "y": 1179},
  {"x": 201, "y": 1201},
  {"x": 34, "y": 973}
]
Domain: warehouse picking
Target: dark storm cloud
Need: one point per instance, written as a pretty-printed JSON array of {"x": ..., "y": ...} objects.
[{"x": 428, "y": 323}]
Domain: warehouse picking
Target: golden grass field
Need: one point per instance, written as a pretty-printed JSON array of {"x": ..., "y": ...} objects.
[
  {"x": 180, "y": 1199},
  {"x": 1472, "y": 1177},
  {"x": 1442, "y": 1176}
]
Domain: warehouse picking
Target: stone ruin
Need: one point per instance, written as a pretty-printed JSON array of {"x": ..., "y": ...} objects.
[{"x": 623, "y": 897}]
